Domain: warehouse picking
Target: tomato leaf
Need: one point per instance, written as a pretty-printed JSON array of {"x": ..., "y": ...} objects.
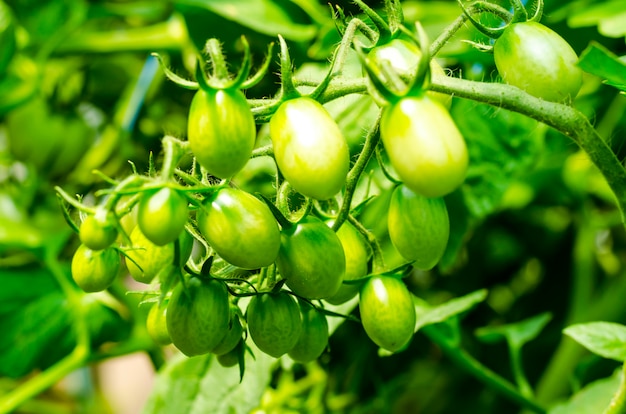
[
  {"x": 607, "y": 339},
  {"x": 592, "y": 399},
  {"x": 599, "y": 61},
  {"x": 427, "y": 315},
  {"x": 201, "y": 385},
  {"x": 517, "y": 334}
]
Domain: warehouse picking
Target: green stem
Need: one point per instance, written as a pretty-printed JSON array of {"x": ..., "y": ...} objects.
[
  {"x": 518, "y": 372},
  {"x": 618, "y": 403},
  {"x": 484, "y": 374}
]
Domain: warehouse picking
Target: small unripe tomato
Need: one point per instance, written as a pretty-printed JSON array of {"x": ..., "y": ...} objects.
[
  {"x": 95, "y": 270},
  {"x": 98, "y": 231},
  {"x": 162, "y": 215}
]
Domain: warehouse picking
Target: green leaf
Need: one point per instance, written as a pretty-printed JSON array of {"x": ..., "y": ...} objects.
[
  {"x": 592, "y": 399},
  {"x": 262, "y": 16},
  {"x": 607, "y": 339},
  {"x": 517, "y": 334},
  {"x": 599, "y": 61},
  {"x": 427, "y": 315},
  {"x": 201, "y": 385},
  {"x": 609, "y": 16}
]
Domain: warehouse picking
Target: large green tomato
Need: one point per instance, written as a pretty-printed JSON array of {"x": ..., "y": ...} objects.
[
  {"x": 357, "y": 256},
  {"x": 314, "y": 337},
  {"x": 197, "y": 315},
  {"x": 536, "y": 59},
  {"x": 95, "y": 270},
  {"x": 424, "y": 146},
  {"x": 221, "y": 130},
  {"x": 387, "y": 312},
  {"x": 309, "y": 148},
  {"x": 311, "y": 259},
  {"x": 240, "y": 228},
  {"x": 419, "y": 227},
  {"x": 162, "y": 215},
  {"x": 274, "y": 322},
  {"x": 402, "y": 57}
]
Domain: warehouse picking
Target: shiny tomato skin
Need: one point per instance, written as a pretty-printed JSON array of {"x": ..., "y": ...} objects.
[
  {"x": 402, "y": 56},
  {"x": 156, "y": 324},
  {"x": 309, "y": 148},
  {"x": 240, "y": 228},
  {"x": 425, "y": 147},
  {"x": 538, "y": 60},
  {"x": 357, "y": 256},
  {"x": 98, "y": 231},
  {"x": 387, "y": 312},
  {"x": 419, "y": 227},
  {"x": 274, "y": 322},
  {"x": 95, "y": 270},
  {"x": 311, "y": 259},
  {"x": 197, "y": 315},
  {"x": 221, "y": 130},
  {"x": 162, "y": 215}
]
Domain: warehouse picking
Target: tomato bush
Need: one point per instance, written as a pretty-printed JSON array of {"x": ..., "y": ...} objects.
[{"x": 474, "y": 203}]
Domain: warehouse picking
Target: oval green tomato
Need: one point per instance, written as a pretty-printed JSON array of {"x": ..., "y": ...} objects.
[
  {"x": 240, "y": 228},
  {"x": 221, "y": 130},
  {"x": 311, "y": 259},
  {"x": 156, "y": 324},
  {"x": 309, "y": 148},
  {"x": 145, "y": 259},
  {"x": 274, "y": 322},
  {"x": 98, "y": 231},
  {"x": 232, "y": 337},
  {"x": 402, "y": 57},
  {"x": 231, "y": 358},
  {"x": 357, "y": 256},
  {"x": 538, "y": 60},
  {"x": 314, "y": 337},
  {"x": 162, "y": 215},
  {"x": 424, "y": 146},
  {"x": 197, "y": 315},
  {"x": 387, "y": 312},
  {"x": 419, "y": 227},
  {"x": 95, "y": 270}
]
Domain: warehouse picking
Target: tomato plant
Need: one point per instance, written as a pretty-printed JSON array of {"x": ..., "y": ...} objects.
[
  {"x": 424, "y": 145},
  {"x": 311, "y": 259},
  {"x": 274, "y": 322},
  {"x": 95, "y": 270},
  {"x": 387, "y": 312},
  {"x": 419, "y": 227},
  {"x": 197, "y": 315},
  {"x": 240, "y": 228},
  {"x": 309, "y": 149},
  {"x": 536, "y": 59},
  {"x": 221, "y": 130},
  {"x": 162, "y": 215}
]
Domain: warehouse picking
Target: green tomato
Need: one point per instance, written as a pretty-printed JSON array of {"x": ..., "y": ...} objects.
[
  {"x": 145, "y": 259},
  {"x": 221, "y": 130},
  {"x": 162, "y": 215},
  {"x": 357, "y": 256},
  {"x": 232, "y": 337},
  {"x": 419, "y": 227},
  {"x": 309, "y": 148},
  {"x": 95, "y": 270},
  {"x": 197, "y": 315},
  {"x": 402, "y": 57},
  {"x": 231, "y": 358},
  {"x": 156, "y": 324},
  {"x": 387, "y": 312},
  {"x": 240, "y": 228},
  {"x": 311, "y": 259},
  {"x": 98, "y": 231},
  {"x": 536, "y": 59},
  {"x": 314, "y": 337},
  {"x": 274, "y": 322},
  {"x": 424, "y": 146}
]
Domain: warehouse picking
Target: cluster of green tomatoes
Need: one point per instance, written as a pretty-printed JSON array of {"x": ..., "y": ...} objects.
[{"x": 231, "y": 266}]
